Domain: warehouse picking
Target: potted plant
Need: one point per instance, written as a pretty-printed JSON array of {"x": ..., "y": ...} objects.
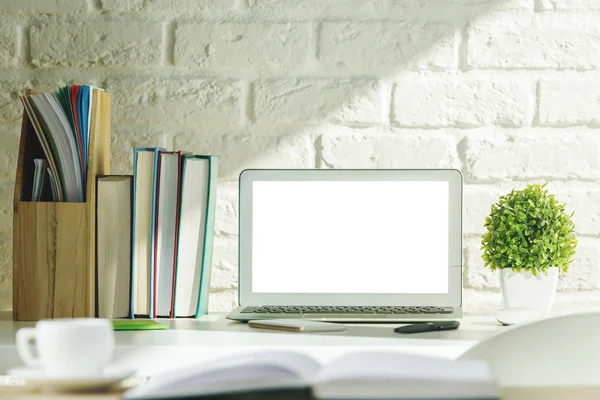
[{"x": 529, "y": 238}]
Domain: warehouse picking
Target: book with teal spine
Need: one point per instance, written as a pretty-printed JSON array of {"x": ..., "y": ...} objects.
[
  {"x": 207, "y": 260},
  {"x": 195, "y": 231}
]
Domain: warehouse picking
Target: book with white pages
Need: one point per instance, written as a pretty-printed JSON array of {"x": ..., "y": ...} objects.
[
  {"x": 113, "y": 251},
  {"x": 367, "y": 374},
  {"x": 166, "y": 218},
  {"x": 195, "y": 233},
  {"x": 145, "y": 162}
]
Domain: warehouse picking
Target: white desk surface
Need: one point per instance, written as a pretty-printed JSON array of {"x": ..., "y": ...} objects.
[
  {"x": 193, "y": 341},
  {"x": 190, "y": 341}
]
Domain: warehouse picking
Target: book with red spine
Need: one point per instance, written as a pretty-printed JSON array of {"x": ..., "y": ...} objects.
[
  {"x": 181, "y": 154},
  {"x": 167, "y": 206}
]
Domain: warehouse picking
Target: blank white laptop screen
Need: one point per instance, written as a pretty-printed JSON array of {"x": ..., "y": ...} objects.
[{"x": 350, "y": 237}]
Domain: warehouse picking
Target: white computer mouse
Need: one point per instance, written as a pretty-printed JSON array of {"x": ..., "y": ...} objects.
[{"x": 516, "y": 315}]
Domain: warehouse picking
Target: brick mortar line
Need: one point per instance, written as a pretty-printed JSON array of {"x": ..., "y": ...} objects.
[
  {"x": 463, "y": 48},
  {"x": 425, "y": 130},
  {"x": 496, "y": 290},
  {"x": 168, "y": 45},
  {"x": 461, "y": 151},
  {"x": 225, "y": 17},
  {"x": 536, "y": 69},
  {"x": 387, "y": 102},
  {"x": 465, "y": 127},
  {"x": 317, "y": 30},
  {"x": 247, "y": 100},
  {"x": 318, "y": 146},
  {"x": 96, "y": 14},
  {"x": 522, "y": 180},
  {"x": 558, "y": 125},
  {"x": 537, "y": 104},
  {"x": 392, "y": 112},
  {"x": 151, "y": 71},
  {"x": 22, "y": 53}
]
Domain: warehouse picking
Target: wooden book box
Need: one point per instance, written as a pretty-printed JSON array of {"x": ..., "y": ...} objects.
[{"x": 54, "y": 252}]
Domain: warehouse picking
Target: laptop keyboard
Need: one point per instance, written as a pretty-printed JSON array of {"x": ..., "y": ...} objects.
[{"x": 345, "y": 310}]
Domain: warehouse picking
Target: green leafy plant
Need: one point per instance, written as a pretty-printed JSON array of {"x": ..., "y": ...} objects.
[{"x": 529, "y": 230}]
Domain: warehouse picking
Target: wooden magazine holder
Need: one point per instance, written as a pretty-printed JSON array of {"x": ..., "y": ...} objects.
[{"x": 54, "y": 252}]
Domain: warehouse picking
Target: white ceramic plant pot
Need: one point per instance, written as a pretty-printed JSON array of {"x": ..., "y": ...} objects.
[{"x": 522, "y": 289}]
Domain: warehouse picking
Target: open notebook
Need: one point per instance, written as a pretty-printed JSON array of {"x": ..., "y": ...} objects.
[{"x": 360, "y": 375}]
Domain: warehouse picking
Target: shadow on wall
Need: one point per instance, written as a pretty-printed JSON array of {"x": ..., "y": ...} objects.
[
  {"x": 362, "y": 87},
  {"x": 355, "y": 91}
]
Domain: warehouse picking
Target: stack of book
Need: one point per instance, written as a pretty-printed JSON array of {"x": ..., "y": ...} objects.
[{"x": 155, "y": 236}]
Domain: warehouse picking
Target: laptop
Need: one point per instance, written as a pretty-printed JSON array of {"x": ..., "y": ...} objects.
[{"x": 350, "y": 245}]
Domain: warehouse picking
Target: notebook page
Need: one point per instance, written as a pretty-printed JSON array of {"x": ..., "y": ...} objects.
[
  {"x": 247, "y": 372},
  {"x": 396, "y": 367}
]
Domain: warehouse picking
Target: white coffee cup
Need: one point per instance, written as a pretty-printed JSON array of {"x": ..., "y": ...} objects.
[{"x": 80, "y": 347}]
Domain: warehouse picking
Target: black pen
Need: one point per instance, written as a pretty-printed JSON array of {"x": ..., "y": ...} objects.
[{"x": 428, "y": 327}]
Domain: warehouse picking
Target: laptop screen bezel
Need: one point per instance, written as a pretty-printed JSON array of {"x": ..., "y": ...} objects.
[{"x": 452, "y": 298}]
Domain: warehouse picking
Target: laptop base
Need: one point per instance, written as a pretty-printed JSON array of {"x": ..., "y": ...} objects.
[{"x": 238, "y": 315}]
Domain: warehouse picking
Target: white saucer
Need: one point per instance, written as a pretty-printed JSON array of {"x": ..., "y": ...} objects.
[{"x": 35, "y": 376}]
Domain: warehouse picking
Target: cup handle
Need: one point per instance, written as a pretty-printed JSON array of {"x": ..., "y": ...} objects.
[{"x": 24, "y": 337}]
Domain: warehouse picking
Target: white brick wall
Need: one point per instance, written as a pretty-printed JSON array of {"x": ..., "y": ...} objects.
[
  {"x": 364, "y": 101},
  {"x": 570, "y": 99},
  {"x": 384, "y": 47},
  {"x": 508, "y": 91},
  {"x": 95, "y": 44},
  {"x": 188, "y": 102},
  {"x": 243, "y": 48},
  {"x": 526, "y": 39},
  {"x": 459, "y": 99},
  {"x": 529, "y": 153}
]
